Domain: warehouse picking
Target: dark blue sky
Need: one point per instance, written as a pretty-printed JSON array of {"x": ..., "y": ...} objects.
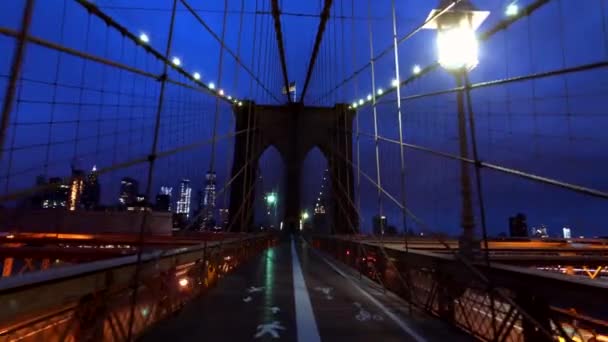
[{"x": 554, "y": 126}]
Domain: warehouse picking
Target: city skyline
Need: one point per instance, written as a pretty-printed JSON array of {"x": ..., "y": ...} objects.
[{"x": 531, "y": 126}]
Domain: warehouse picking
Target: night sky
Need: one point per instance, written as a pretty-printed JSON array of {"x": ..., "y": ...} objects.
[{"x": 69, "y": 111}]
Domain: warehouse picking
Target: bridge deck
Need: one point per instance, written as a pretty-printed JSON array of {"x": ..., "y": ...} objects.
[{"x": 331, "y": 303}]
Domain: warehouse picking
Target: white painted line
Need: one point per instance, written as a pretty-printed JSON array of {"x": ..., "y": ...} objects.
[
  {"x": 305, "y": 318},
  {"x": 404, "y": 326}
]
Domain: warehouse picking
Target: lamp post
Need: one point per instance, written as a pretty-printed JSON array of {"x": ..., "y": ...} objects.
[
  {"x": 303, "y": 218},
  {"x": 458, "y": 53},
  {"x": 271, "y": 201}
]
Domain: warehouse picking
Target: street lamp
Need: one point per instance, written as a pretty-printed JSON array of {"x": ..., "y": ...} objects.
[
  {"x": 458, "y": 52},
  {"x": 305, "y": 216},
  {"x": 144, "y": 38},
  {"x": 271, "y": 198},
  {"x": 176, "y": 61},
  {"x": 457, "y": 45},
  {"x": 512, "y": 10},
  {"x": 196, "y": 76}
]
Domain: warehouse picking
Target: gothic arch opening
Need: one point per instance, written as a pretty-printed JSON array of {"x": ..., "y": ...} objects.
[
  {"x": 269, "y": 190},
  {"x": 316, "y": 195}
]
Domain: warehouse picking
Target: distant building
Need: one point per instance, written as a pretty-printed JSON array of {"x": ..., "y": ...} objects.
[
  {"x": 379, "y": 224},
  {"x": 185, "y": 195},
  {"x": 92, "y": 190},
  {"x": 208, "y": 201},
  {"x": 37, "y": 199},
  {"x": 57, "y": 195},
  {"x": 224, "y": 217},
  {"x": 567, "y": 233},
  {"x": 540, "y": 232},
  {"x": 140, "y": 204},
  {"x": 163, "y": 199},
  {"x": 129, "y": 188},
  {"x": 518, "y": 226}
]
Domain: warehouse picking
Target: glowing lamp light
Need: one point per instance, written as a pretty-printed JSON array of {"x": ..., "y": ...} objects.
[
  {"x": 196, "y": 76},
  {"x": 361, "y": 102},
  {"x": 380, "y": 91},
  {"x": 271, "y": 198},
  {"x": 229, "y": 97},
  {"x": 221, "y": 92},
  {"x": 512, "y": 10},
  {"x": 355, "y": 104},
  {"x": 305, "y": 216},
  {"x": 211, "y": 85},
  {"x": 183, "y": 282},
  {"x": 457, "y": 44},
  {"x": 369, "y": 97},
  {"x": 395, "y": 82},
  {"x": 240, "y": 103},
  {"x": 416, "y": 69},
  {"x": 144, "y": 38},
  {"x": 176, "y": 61}
]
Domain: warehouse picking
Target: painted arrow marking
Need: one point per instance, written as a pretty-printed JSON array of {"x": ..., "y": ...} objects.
[
  {"x": 270, "y": 328},
  {"x": 253, "y": 289},
  {"x": 326, "y": 291},
  {"x": 364, "y": 315}
]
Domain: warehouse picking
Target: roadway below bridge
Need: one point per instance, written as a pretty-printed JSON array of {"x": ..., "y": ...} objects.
[{"x": 293, "y": 293}]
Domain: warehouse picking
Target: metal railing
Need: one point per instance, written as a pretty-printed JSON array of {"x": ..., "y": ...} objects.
[
  {"x": 528, "y": 305},
  {"x": 92, "y": 301}
]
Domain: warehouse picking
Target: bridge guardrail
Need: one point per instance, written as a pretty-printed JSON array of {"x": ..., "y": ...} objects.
[
  {"x": 93, "y": 301},
  {"x": 525, "y": 301}
]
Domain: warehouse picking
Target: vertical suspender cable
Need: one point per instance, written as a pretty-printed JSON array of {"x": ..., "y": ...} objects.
[
  {"x": 400, "y": 121},
  {"x": 250, "y": 112},
  {"x": 16, "y": 66},
  {"x": 356, "y": 88},
  {"x": 219, "y": 85},
  {"x": 236, "y": 88},
  {"x": 151, "y": 160},
  {"x": 375, "y": 114},
  {"x": 54, "y": 94}
]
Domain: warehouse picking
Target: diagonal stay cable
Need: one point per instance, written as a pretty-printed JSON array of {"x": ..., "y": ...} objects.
[
  {"x": 390, "y": 47},
  {"x": 122, "y": 165},
  {"x": 457, "y": 257},
  {"x": 224, "y": 46},
  {"x": 503, "y": 169},
  {"x": 111, "y": 22},
  {"x": 502, "y": 25}
]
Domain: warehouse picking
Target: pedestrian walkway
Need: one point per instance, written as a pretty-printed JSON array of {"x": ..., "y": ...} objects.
[{"x": 293, "y": 293}]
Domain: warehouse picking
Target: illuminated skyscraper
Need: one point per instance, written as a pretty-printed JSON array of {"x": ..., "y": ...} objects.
[
  {"x": 185, "y": 194},
  {"x": 129, "y": 188},
  {"x": 76, "y": 189},
  {"x": 92, "y": 190},
  {"x": 208, "y": 199}
]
